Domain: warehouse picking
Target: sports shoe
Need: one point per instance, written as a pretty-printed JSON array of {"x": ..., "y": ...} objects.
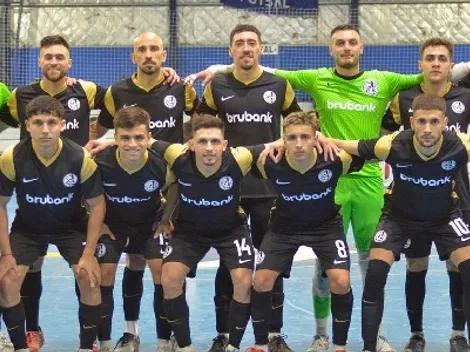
[
  {"x": 163, "y": 346},
  {"x": 5, "y": 344},
  {"x": 105, "y": 346},
  {"x": 458, "y": 344},
  {"x": 219, "y": 344},
  {"x": 173, "y": 344},
  {"x": 127, "y": 343},
  {"x": 189, "y": 348},
  {"x": 35, "y": 340},
  {"x": 383, "y": 345},
  {"x": 320, "y": 343},
  {"x": 415, "y": 344},
  {"x": 278, "y": 344}
]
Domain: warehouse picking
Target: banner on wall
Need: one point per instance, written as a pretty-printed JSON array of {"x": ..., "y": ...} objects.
[{"x": 273, "y": 5}]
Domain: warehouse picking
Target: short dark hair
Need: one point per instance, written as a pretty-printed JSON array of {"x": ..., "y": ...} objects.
[
  {"x": 429, "y": 102},
  {"x": 301, "y": 118},
  {"x": 51, "y": 40},
  {"x": 344, "y": 27},
  {"x": 436, "y": 41},
  {"x": 47, "y": 105},
  {"x": 244, "y": 28},
  {"x": 131, "y": 117},
  {"x": 206, "y": 121}
]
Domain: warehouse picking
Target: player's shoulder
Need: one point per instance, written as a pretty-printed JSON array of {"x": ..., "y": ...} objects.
[
  {"x": 123, "y": 83},
  {"x": 106, "y": 155},
  {"x": 410, "y": 93},
  {"x": 73, "y": 148},
  {"x": 29, "y": 89},
  {"x": 458, "y": 92}
]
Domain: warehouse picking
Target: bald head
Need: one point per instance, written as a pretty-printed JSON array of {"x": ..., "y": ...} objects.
[
  {"x": 148, "y": 53},
  {"x": 149, "y": 37}
]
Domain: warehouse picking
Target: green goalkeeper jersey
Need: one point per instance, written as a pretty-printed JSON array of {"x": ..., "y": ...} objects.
[
  {"x": 4, "y": 94},
  {"x": 351, "y": 108}
]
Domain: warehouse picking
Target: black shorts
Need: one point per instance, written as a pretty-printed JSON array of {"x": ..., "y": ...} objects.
[
  {"x": 398, "y": 235},
  {"x": 235, "y": 248},
  {"x": 27, "y": 247},
  {"x": 328, "y": 242}
]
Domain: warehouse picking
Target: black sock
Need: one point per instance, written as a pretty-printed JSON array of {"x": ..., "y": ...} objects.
[
  {"x": 373, "y": 302},
  {"x": 238, "y": 318},
  {"x": 464, "y": 269},
  {"x": 177, "y": 312},
  {"x": 456, "y": 300},
  {"x": 261, "y": 315},
  {"x": 415, "y": 291},
  {"x": 106, "y": 316},
  {"x": 14, "y": 319},
  {"x": 31, "y": 291},
  {"x": 277, "y": 308},
  {"x": 132, "y": 290},
  {"x": 163, "y": 327},
  {"x": 341, "y": 310},
  {"x": 89, "y": 317},
  {"x": 222, "y": 298}
]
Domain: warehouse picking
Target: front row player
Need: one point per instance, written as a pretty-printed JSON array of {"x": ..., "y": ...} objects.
[
  {"x": 425, "y": 162},
  {"x": 305, "y": 185},
  {"x": 51, "y": 177}
]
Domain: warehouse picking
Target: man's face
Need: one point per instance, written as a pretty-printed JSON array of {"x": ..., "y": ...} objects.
[
  {"x": 45, "y": 129},
  {"x": 132, "y": 143},
  {"x": 148, "y": 54},
  {"x": 299, "y": 141},
  {"x": 208, "y": 144},
  {"x": 346, "y": 48},
  {"x": 428, "y": 126},
  {"x": 436, "y": 64},
  {"x": 245, "y": 50},
  {"x": 54, "y": 62}
]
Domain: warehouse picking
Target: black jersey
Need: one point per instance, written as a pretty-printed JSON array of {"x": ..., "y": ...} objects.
[
  {"x": 208, "y": 204},
  {"x": 252, "y": 112},
  {"x": 306, "y": 199},
  {"x": 132, "y": 196},
  {"x": 49, "y": 192},
  {"x": 423, "y": 186},
  {"x": 166, "y": 105},
  {"x": 78, "y": 100}
]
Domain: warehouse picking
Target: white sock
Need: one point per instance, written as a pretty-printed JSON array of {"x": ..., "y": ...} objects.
[
  {"x": 225, "y": 334},
  {"x": 273, "y": 334},
  {"x": 322, "y": 326},
  {"x": 230, "y": 348},
  {"x": 457, "y": 333},
  {"x": 132, "y": 327},
  {"x": 363, "y": 261}
]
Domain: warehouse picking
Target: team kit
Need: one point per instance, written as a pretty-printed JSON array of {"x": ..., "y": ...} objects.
[{"x": 250, "y": 175}]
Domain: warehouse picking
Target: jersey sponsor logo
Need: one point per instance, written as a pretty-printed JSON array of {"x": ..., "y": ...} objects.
[
  {"x": 126, "y": 199},
  {"x": 49, "y": 200},
  {"x": 426, "y": 182},
  {"x": 351, "y": 106},
  {"x": 151, "y": 185},
  {"x": 70, "y": 180},
  {"x": 448, "y": 165},
  {"x": 458, "y": 107},
  {"x": 227, "y": 98},
  {"x": 269, "y": 97},
  {"x": 455, "y": 127},
  {"x": 249, "y": 117},
  {"x": 167, "y": 123},
  {"x": 306, "y": 197},
  {"x": 282, "y": 183},
  {"x": 29, "y": 180},
  {"x": 73, "y": 104},
  {"x": 170, "y": 101},
  {"x": 185, "y": 184},
  {"x": 380, "y": 236},
  {"x": 225, "y": 183},
  {"x": 71, "y": 125},
  {"x": 206, "y": 203},
  {"x": 370, "y": 87},
  {"x": 325, "y": 175}
]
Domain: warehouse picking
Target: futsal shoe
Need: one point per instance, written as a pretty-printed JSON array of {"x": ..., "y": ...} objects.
[
  {"x": 320, "y": 343},
  {"x": 415, "y": 344},
  {"x": 458, "y": 344}
]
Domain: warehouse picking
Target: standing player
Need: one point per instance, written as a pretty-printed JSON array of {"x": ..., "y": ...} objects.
[
  {"x": 51, "y": 176},
  {"x": 305, "y": 213},
  {"x": 425, "y": 162},
  {"x": 78, "y": 100},
  {"x": 436, "y": 65},
  {"x": 251, "y": 103},
  {"x": 166, "y": 105},
  {"x": 132, "y": 178}
]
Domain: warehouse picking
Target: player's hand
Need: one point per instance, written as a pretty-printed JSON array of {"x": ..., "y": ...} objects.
[
  {"x": 89, "y": 264},
  {"x": 275, "y": 150},
  {"x": 170, "y": 75},
  {"x": 324, "y": 146},
  {"x": 206, "y": 76},
  {"x": 97, "y": 145},
  {"x": 7, "y": 263},
  {"x": 163, "y": 229},
  {"x": 70, "y": 81}
]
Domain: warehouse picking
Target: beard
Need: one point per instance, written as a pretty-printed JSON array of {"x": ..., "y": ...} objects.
[{"x": 54, "y": 78}]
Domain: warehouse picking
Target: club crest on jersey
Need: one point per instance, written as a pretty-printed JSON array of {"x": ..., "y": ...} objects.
[
  {"x": 73, "y": 104},
  {"x": 370, "y": 87},
  {"x": 170, "y": 101},
  {"x": 167, "y": 251},
  {"x": 151, "y": 185},
  {"x": 70, "y": 180},
  {"x": 458, "y": 107},
  {"x": 325, "y": 175},
  {"x": 269, "y": 97},
  {"x": 225, "y": 183},
  {"x": 100, "y": 250},
  {"x": 380, "y": 236},
  {"x": 448, "y": 165},
  {"x": 259, "y": 257}
]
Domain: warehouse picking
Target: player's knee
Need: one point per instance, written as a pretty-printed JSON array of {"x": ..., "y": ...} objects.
[
  {"x": 10, "y": 286},
  {"x": 242, "y": 281},
  {"x": 339, "y": 282},
  {"x": 172, "y": 283},
  {"x": 108, "y": 274},
  {"x": 136, "y": 262},
  {"x": 264, "y": 280},
  {"x": 376, "y": 279},
  {"x": 155, "y": 266},
  {"x": 451, "y": 266},
  {"x": 464, "y": 268},
  {"x": 417, "y": 264},
  {"x": 37, "y": 265},
  {"x": 88, "y": 294}
]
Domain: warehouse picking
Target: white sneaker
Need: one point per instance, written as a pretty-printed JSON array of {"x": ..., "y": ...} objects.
[
  {"x": 320, "y": 343},
  {"x": 189, "y": 348},
  {"x": 106, "y": 346},
  {"x": 5, "y": 344},
  {"x": 163, "y": 346},
  {"x": 383, "y": 345}
]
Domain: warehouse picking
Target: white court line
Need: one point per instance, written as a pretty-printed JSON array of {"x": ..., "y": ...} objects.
[{"x": 309, "y": 313}]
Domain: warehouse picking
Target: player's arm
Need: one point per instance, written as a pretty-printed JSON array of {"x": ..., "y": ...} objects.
[
  {"x": 191, "y": 101},
  {"x": 369, "y": 149},
  {"x": 398, "y": 82},
  {"x": 108, "y": 110},
  {"x": 9, "y": 111},
  {"x": 95, "y": 96},
  {"x": 207, "y": 105},
  {"x": 460, "y": 71},
  {"x": 392, "y": 117},
  {"x": 290, "y": 101},
  {"x": 351, "y": 163},
  {"x": 172, "y": 197}
]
